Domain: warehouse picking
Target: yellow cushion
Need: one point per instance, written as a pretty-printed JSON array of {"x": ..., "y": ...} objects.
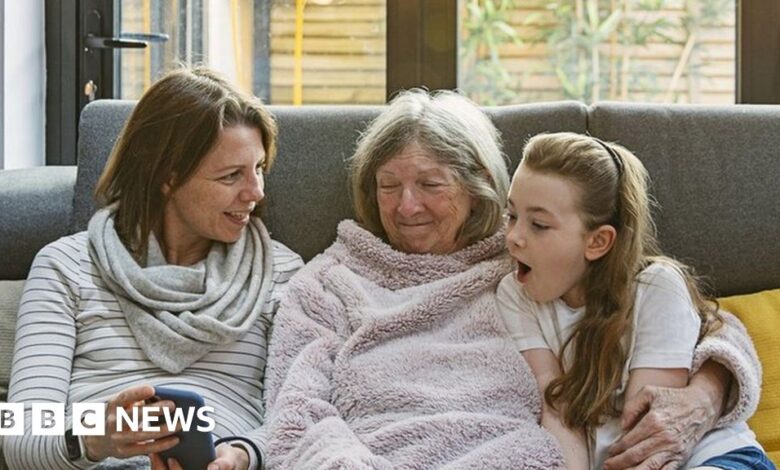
[
  {"x": 760, "y": 313},
  {"x": 774, "y": 457}
]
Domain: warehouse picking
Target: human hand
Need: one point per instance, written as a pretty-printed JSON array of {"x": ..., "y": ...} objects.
[
  {"x": 128, "y": 443},
  {"x": 664, "y": 425},
  {"x": 159, "y": 464},
  {"x": 228, "y": 458}
]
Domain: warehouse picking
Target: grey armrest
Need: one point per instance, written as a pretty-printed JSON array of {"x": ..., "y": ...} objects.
[{"x": 36, "y": 207}]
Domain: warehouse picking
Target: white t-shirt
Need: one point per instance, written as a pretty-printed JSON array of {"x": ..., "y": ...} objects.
[{"x": 666, "y": 328}]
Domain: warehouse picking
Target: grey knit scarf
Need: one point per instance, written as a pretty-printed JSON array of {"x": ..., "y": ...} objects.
[{"x": 179, "y": 313}]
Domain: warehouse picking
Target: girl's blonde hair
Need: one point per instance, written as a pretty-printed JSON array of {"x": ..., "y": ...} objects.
[{"x": 613, "y": 188}]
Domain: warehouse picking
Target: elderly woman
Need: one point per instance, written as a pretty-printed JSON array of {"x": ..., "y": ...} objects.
[
  {"x": 174, "y": 283},
  {"x": 388, "y": 351}
]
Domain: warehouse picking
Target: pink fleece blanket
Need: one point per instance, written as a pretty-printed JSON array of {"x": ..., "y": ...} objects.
[{"x": 381, "y": 359}]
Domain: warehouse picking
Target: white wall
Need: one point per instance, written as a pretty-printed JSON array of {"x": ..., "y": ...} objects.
[{"x": 23, "y": 84}]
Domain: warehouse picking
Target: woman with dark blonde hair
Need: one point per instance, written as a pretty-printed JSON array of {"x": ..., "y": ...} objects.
[{"x": 175, "y": 283}]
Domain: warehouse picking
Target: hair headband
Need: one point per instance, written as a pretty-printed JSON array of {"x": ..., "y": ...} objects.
[
  {"x": 619, "y": 165},
  {"x": 612, "y": 153}
]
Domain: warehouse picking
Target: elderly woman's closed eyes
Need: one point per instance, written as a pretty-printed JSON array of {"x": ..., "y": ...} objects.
[{"x": 422, "y": 204}]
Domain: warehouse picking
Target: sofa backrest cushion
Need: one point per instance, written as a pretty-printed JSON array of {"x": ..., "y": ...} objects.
[
  {"x": 307, "y": 189},
  {"x": 518, "y": 123},
  {"x": 716, "y": 176},
  {"x": 99, "y": 126}
]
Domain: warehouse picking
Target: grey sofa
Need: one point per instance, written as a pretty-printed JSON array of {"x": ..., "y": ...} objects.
[{"x": 716, "y": 172}]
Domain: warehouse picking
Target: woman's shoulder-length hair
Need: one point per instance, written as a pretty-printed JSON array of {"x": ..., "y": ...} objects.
[{"x": 172, "y": 127}]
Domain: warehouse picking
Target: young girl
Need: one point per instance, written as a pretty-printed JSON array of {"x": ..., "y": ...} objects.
[{"x": 597, "y": 312}]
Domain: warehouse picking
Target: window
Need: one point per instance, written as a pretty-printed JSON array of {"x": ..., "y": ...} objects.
[
  {"x": 671, "y": 51},
  {"x": 336, "y": 51}
]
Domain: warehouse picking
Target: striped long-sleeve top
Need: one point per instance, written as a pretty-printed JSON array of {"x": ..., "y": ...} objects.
[{"x": 73, "y": 344}]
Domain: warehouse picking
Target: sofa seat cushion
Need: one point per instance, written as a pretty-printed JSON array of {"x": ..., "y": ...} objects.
[
  {"x": 760, "y": 312},
  {"x": 10, "y": 294}
]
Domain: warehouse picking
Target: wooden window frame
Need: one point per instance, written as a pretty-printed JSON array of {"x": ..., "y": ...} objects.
[
  {"x": 758, "y": 51},
  {"x": 422, "y": 45},
  {"x": 62, "y": 70}
]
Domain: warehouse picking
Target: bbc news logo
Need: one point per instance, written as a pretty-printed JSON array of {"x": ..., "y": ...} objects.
[{"x": 89, "y": 419}]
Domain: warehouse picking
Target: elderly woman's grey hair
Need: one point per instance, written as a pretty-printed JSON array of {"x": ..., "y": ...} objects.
[{"x": 455, "y": 132}]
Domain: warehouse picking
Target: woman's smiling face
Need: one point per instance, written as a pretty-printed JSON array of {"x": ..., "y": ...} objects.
[
  {"x": 422, "y": 205},
  {"x": 216, "y": 202}
]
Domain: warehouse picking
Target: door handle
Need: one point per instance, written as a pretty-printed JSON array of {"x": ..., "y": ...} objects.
[
  {"x": 147, "y": 37},
  {"x": 101, "y": 42},
  {"x": 124, "y": 41}
]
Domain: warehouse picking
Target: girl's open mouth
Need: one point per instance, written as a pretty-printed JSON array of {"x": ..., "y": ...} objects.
[{"x": 522, "y": 271}]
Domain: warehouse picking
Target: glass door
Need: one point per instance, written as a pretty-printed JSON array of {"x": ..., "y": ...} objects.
[{"x": 285, "y": 51}]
